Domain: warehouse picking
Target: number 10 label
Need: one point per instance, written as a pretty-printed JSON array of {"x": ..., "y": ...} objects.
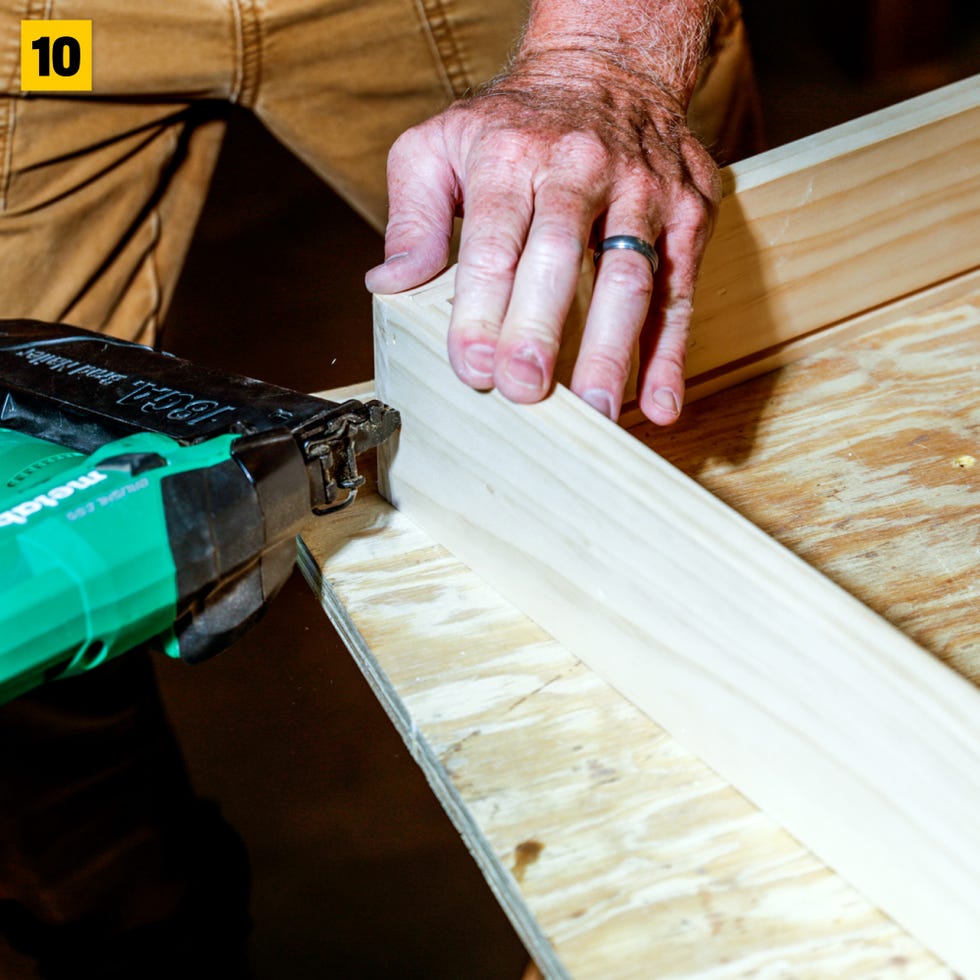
[{"x": 56, "y": 55}]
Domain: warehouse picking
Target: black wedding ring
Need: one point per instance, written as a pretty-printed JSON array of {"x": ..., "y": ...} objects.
[{"x": 632, "y": 244}]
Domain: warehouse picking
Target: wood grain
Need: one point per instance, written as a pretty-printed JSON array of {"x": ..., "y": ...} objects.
[
  {"x": 859, "y": 460},
  {"x": 557, "y": 782},
  {"x": 616, "y": 853},
  {"x": 850, "y": 735},
  {"x": 960, "y": 287},
  {"x": 839, "y": 223}
]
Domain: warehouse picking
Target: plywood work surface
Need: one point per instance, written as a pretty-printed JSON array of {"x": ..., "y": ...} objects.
[
  {"x": 615, "y": 852},
  {"x": 864, "y": 460}
]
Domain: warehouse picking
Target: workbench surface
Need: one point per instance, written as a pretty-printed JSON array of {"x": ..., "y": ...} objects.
[{"x": 616, "y": 852}]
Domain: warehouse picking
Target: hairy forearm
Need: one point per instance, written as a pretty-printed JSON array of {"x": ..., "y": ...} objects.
[{"x": 661, "y": 41}]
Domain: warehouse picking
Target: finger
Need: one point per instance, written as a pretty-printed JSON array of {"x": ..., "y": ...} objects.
[
  {"x": 421, "y": 203},
  {"x": 618, "y": 311},
  {"x": 544, "y": 288},
  {"x": 661, "y": 393},
  {"x": 498, "y": 214}
]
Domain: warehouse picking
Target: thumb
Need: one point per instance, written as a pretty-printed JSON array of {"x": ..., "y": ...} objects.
[{"x": 421, "y": 204}]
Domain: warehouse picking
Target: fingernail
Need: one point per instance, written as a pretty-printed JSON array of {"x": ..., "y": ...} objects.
[
  {"x": 478, "y": 358},
  {"x": 391, "y": 260},
  {"x": 371, "y": 276},
  {"x": 664, "y": 398},
  {"x": 599, "y": 400},
  {"x": 525, "y": 369}
]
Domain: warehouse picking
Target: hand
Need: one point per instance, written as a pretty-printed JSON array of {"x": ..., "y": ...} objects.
[{"x": 564, "y": 145}]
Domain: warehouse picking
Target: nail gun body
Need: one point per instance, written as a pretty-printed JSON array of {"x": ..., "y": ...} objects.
[{"x": 144, "y": 498}]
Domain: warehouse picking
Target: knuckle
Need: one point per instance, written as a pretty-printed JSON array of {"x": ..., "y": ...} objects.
[
  {"x": 561, "y": 244},
  {"x": 535, "y": 334},
  {"x": 503, "y": 150},
  {"x": 710, "y": 185},
  {"x": 672, "y": 360},
  {"x": 408, "y": 224},
  {"x": 474, "y": 330},
  {"x": 406, "y": 147},
  {"x": 491, "y": 258},
  {"x": 692, "y": 208},
  {"x": 627, "y": 275},
  {"x": 609, "y": 366},
  {"x": 677, "y": 316},
  {"x": 585, "y": 149},
  {"x": 672, "y": 350},
  {"x": 705, "y": 174}
]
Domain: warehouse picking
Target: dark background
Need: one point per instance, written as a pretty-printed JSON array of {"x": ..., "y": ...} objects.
[{"x": 357, "y": 872}]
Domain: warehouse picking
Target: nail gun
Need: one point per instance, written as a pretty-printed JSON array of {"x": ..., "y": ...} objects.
[{"x": 145, "y": 499}]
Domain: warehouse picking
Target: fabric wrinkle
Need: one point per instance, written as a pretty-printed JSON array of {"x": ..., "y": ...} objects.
[
  {"x": 248, "y": 52},
  {"x": 442, "y": 42},
  {"x": 7, "y": 124}
]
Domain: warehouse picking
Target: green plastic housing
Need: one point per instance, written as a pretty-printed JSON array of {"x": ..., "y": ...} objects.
[{"x": 86, "y": 567}]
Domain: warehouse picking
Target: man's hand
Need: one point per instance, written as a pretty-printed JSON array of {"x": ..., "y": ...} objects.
[{"x": 569, "y": 144}]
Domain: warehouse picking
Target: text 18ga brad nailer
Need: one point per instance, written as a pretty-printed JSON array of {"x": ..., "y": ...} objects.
[{"x": 146, "y": 499}]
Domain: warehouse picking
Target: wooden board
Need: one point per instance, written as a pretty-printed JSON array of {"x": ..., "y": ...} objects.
[
  {"x": 763, "y": 361},
  {"x": 753, "y": 660},
  {"x": 610, "y": 846},
  {"x": 839, "y": 223}
]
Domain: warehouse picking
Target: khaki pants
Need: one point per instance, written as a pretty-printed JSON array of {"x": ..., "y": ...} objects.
[{"x": 100, "y": 192}]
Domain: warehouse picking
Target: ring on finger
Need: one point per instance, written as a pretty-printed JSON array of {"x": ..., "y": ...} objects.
[{"x": 630, "y": 243}]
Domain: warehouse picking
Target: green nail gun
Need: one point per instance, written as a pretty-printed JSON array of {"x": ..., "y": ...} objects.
[{"x": 144, "y": 499}]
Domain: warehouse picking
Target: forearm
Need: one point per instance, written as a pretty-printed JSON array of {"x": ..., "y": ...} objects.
[{"x": 658, "y": 41}]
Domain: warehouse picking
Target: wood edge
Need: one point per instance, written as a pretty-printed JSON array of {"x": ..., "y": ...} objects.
[
  {"x": 764, "y": 361},
  {"x": 853, "y": 135},
  {"x": 363, "y": 391},
  {"x": 501, "y": 883},
  {"x": 563, "y": 410}
]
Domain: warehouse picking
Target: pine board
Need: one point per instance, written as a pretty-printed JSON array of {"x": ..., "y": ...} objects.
[
  {"x": 840, "y": 223},
  {"x": 817, "y": 242}
]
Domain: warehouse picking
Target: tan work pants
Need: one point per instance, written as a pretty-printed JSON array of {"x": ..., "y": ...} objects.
[{"x": 100, "y": 192}]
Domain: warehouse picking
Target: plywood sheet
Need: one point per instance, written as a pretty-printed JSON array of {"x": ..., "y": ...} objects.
[
  {"x": 610, "y": 846},
  {"x": 864, "y": 459}
]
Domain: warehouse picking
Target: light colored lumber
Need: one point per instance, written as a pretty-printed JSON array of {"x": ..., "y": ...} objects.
[
  {"x": 960, "y": 287},
  {"x": 863, "y": 459},
  {"x": 361, "y": 390},
  {"x": 840, "y": 727},
  {"x": 839, "y": 223},
  {"x": 616, "y": 853},
  {"x": 761, "y": 362}
]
